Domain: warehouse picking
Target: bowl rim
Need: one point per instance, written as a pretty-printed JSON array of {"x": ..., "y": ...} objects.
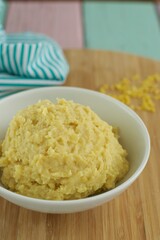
[{"x": 101, "y": 196}]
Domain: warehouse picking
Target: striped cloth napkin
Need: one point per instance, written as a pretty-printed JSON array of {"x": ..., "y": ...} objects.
[{"x": 30, "y": 60}]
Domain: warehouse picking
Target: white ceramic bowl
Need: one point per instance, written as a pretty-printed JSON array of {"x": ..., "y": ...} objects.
[{"x": 133, "y": 136}]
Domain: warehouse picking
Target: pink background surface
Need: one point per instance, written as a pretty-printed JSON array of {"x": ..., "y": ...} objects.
[{"x": 59, "y": 20}]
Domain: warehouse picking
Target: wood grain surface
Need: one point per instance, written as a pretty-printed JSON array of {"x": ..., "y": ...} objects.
[{"x": 135, "y": 214}]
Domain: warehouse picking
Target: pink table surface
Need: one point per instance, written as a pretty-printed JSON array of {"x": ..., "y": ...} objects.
[{"x": 60, "y": 20}]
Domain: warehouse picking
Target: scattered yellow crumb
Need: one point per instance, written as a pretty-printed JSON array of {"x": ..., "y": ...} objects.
[
  {"x": 136, "y": 77},
  {"x": 137, "y": 93}
]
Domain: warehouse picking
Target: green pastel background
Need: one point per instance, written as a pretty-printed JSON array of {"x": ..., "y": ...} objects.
[
  {"x": 122, "y": 26},
  {"x": 3, "y": 10}
]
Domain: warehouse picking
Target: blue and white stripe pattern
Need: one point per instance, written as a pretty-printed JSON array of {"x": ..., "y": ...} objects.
[{"x": 30, "y": 60}]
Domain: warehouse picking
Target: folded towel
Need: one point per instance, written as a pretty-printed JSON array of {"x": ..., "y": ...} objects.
[{"x": 30, "y": 60}]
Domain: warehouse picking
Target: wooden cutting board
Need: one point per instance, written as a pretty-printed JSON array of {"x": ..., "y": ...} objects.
[{"x": 135, "y": 214}]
